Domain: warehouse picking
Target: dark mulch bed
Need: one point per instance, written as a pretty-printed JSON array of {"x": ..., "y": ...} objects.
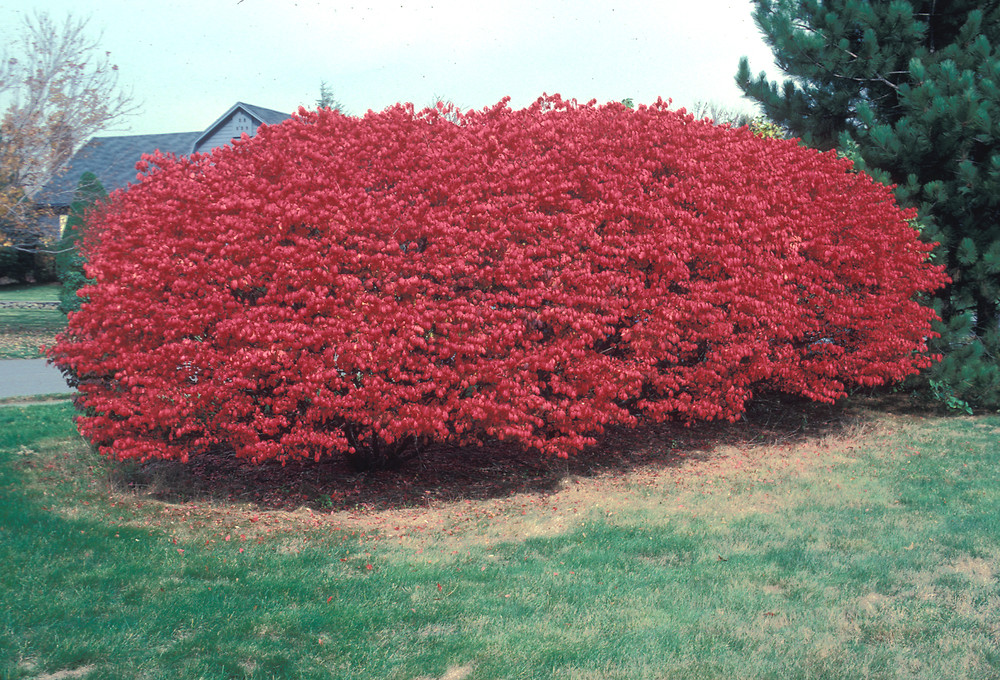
[{"x": 495, "y": 469}]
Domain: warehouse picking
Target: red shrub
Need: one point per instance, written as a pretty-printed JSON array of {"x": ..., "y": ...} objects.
[{"x": 342, "y": 285}]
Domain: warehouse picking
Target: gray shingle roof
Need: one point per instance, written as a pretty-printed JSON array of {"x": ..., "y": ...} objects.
[
  {"x": 113, "y": 160},
  {"x": 266, "y": 116}
]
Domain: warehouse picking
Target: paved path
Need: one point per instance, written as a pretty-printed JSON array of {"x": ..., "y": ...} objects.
[{"x": 30, "y": 377}]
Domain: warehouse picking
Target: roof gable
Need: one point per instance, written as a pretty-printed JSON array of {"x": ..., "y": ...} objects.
[{"x": 222, "y": 131}]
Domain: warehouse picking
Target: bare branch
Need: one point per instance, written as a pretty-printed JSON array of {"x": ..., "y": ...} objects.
[
  {"x": 720, "y": 113},
  {"x": 57, "y": 89}
]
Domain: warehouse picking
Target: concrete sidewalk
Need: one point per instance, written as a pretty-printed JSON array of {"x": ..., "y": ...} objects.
[{"x": 29, "y": 378}]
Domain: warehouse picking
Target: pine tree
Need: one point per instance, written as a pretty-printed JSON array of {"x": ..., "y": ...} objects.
[
  {"x": 327, "y": 100},
  {"x": 69, "y": 258},
  {"x": 909, "y": 89}
]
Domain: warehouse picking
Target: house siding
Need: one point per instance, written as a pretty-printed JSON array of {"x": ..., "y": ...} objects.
[{"x": 233, "y": 128}]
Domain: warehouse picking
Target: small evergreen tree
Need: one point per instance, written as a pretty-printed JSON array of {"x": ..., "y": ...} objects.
[
  {"x": 327, "y": 100},
  {"x": 910, "y": 90},
  {"x": 69, "y": 258}
]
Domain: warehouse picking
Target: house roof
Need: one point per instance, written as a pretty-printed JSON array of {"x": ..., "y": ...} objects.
[
  {"x": 113, "y": 160},
  {"x": 260, "y": 114}
]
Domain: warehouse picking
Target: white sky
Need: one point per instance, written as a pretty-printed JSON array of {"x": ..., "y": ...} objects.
[{"x": 188, "y": 61}]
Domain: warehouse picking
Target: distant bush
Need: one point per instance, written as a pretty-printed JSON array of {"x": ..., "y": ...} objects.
[
  {"x": 27, "y": 263},
  {"x": 360, "y": 286},
  {"x": 16, "y": 265},
  {"x": 762, "y": 127}
]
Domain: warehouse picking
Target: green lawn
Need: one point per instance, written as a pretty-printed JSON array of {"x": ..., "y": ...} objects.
[
  {"x": 23, "y": 331},
  {"x": 47, "y": 292},
  {"x": 866, "y": 549}
]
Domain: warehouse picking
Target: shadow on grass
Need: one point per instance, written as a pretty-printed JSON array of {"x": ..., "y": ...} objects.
[{"x": 494, "y": 470}]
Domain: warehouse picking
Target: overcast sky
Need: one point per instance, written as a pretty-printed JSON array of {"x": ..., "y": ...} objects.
[{"x": 188, "y": 61}]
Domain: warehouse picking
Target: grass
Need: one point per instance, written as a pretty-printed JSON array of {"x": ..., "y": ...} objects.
[
  {"x": 24, "y": 331},
  {"x": 853, "y": 544},
  {"x": 46, "y": 292}
]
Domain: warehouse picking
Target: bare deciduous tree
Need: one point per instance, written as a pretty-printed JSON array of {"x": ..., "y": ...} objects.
[
  {"x": 720, "y": 113},
  {"x": 57, "y": 88}
]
